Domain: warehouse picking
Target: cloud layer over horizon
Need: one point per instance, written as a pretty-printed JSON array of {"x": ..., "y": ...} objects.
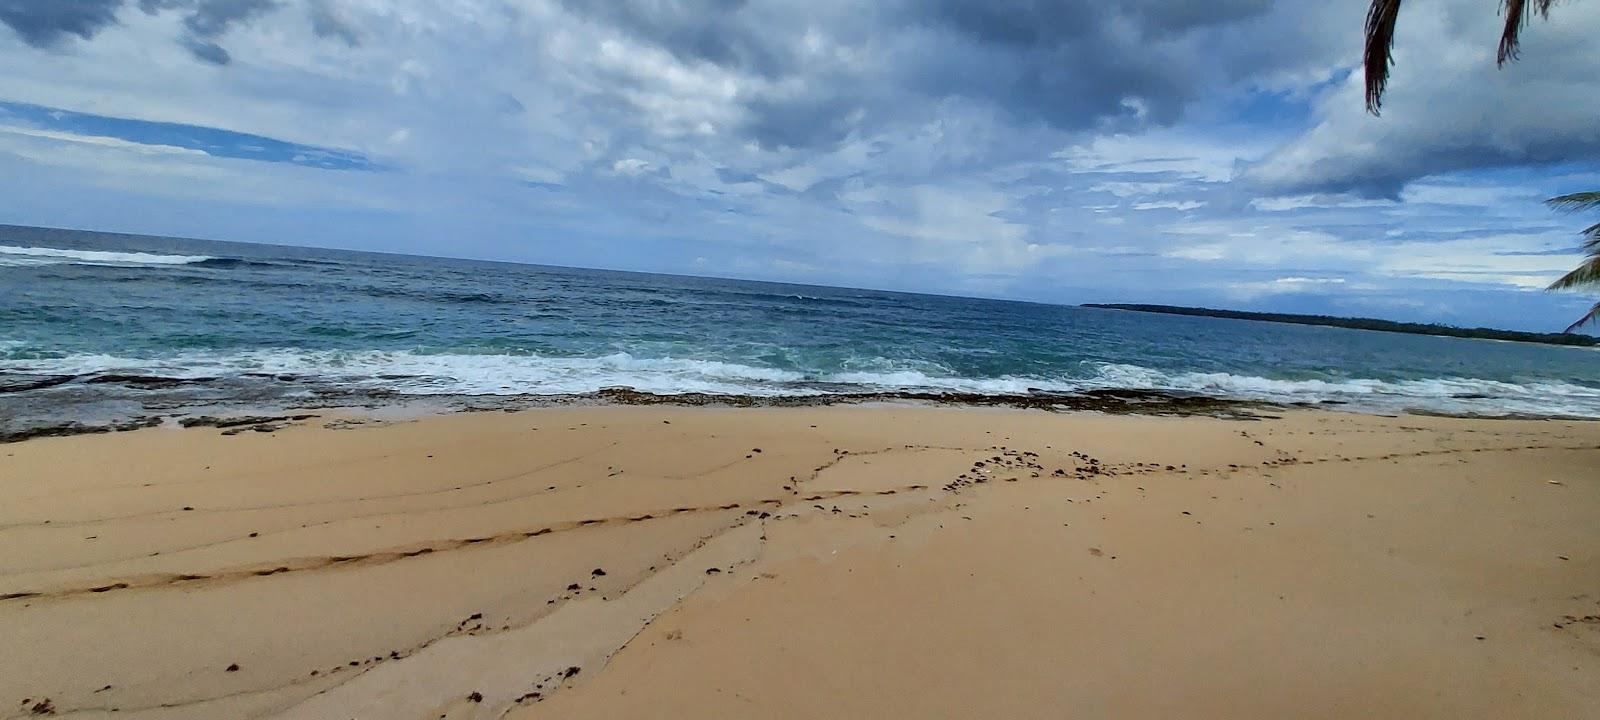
[{"x": 1072, "y": 151}]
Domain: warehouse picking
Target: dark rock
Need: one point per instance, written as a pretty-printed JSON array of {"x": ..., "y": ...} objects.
[
  {"x": 17, "y": 382},
  {"x": 145, "y": 381}
]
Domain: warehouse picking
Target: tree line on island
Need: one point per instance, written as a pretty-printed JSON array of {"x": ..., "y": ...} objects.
[{"x": 1363, "y": 324}]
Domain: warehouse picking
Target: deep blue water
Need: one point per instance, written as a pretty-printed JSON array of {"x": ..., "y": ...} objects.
[{"x": 84, "y": 303}]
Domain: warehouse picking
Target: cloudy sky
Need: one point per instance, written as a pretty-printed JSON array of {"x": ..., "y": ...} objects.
[{"x": 1145, "y": 150}]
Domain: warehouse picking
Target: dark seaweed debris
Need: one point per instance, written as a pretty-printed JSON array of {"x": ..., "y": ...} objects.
[
  {"x": 1117, "y": 401},
  {"x": 229, "y": 425},
  {"x": 1114, "y": 401},
  {"x": 236, "y": 425},
  {"x": 75, "y": 428},
  {"x": 240, "y": 421}
]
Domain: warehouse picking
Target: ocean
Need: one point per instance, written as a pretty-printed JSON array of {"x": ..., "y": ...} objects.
[{"x": 98, "y": 328}]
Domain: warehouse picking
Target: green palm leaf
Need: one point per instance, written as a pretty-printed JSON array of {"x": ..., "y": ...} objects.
[
  {"x": 1587, "y": 318},
  {"x": 1591, "y": 239},
  {"x": 1587, "y": 273},
  {"x": 1576, "y": 202}
]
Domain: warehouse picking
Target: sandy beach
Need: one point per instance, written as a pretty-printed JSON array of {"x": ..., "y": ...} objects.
[{"x": 838, "y": 562}]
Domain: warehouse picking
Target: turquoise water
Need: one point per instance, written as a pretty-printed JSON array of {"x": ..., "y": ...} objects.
[{"x": 259, "y": 322}]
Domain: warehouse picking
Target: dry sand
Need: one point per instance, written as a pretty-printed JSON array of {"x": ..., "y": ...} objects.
[{"x": 853, "y": 562}]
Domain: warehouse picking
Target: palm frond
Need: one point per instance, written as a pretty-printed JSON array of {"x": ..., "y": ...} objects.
[
  {"x": 1587, "y": 273},
  {"x": 1587, "y": 318},
  {"x": 1575, "y": 202},
  {"x": 1591, "y": 240},
  {"x": 1381, "y": 18},
  {"x": 1518, "y": 13}
]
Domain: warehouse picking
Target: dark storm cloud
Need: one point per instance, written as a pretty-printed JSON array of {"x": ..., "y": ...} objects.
[
  {"x": 326, "y": 22},
  {"x": 1076, "y": 63},
  {"x": 726, "y": 33},
  {"x": 1409, "y": 154},
  {"x": 211, "y": 18},
  {"x": 1451, "y": 110},
  {"x": 46, "y": 23},
  {"x": 208, "y": 51},
  {"x": 208, "y": 20},
  {"x": 811, "y": 75},
  {"x": 1070, "y": 64},
  {"x": 802, "y": 122}
]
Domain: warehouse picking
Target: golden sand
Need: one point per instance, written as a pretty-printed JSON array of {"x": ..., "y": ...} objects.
[{"x": 843, "y": 562}]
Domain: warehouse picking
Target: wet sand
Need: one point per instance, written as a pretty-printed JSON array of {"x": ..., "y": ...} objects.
[{"x": 868, "y": 561}]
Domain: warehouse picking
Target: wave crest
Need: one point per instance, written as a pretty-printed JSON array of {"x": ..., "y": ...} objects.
[
  {"x": 468, "y": 373},
  {"x": 19, "y": 256}
]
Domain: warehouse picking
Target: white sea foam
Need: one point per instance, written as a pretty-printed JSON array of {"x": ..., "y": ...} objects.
[
  {"x": 11, "y": 255},
  {"x": 510, "y": 374},
  {"x": 1450, "y": 394}
]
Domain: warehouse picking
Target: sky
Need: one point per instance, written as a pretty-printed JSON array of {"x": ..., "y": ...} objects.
[{"x": 1165, "y": 151}]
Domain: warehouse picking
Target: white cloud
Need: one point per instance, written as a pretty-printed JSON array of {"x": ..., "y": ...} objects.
[
  {"x": 1163, "y": 151},
  {"x": 1124, "y": 189},
  {"x": 631, "y": 167},
  {"x": 1170, "y": 205},
  {"x": 1301, "y": 202},
  {"x": 1285, "y": 285},
  {"x": 1435, "y": 193},
  {"x": 532, "y": 173},
  {"x": 1299, "y": 281}
]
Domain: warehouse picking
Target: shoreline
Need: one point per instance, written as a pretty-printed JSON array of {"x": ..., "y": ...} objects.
[
  {"x": 1114, "y": 401},
  {"x": 847, "y": 560},
  {"x": 247, "y": 416}
]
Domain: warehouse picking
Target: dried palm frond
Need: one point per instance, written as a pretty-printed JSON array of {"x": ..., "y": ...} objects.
[
  {"x": 1379, "y": 53},
  {"x": 1517, "y": 13},
  {"x": 1381, "y": 18}
]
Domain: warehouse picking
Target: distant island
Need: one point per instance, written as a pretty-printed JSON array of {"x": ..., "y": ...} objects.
[{"x": 1364, "y": 324}]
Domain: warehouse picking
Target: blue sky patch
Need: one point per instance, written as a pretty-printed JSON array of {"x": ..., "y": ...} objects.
[{"x": 211, "y": 141}]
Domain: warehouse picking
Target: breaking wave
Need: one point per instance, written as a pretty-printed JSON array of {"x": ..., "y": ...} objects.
[
  {"x": 11, "y": 255},
  {"x": 421, "y": 373}
]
